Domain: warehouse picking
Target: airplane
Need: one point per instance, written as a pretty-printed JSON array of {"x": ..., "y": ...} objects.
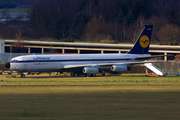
[{"x": 87, "y": 64}]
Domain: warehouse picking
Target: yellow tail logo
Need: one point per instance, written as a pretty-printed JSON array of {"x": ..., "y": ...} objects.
[{"x": 144, "y": 41}]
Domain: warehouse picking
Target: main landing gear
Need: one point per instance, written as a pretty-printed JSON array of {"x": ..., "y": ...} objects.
[{"x": 77, "y": 74}]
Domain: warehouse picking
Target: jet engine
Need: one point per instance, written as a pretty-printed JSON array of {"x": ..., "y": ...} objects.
[
  {"x": 118, "y": 68},
  {"x": 90, "y": 70}
]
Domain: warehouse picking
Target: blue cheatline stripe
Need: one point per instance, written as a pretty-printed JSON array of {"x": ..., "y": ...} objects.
[{"x": 72, "y": 60}]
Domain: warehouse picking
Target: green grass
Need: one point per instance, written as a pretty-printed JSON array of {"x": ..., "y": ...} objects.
[
  {"x": 132, "y": 79},
  {"x": 128, "y": 96},
  {"x": 95, "y": 102}
]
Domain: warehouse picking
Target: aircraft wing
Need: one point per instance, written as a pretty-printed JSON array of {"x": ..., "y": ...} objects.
[
  {"x": 152, "y": 56},
  {"x": 107, "y": 64}
]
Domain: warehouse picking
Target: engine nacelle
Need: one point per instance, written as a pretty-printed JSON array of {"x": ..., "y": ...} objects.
[
  {"x": 90, "y": 70},
  {"x": 118, "y": 68}
]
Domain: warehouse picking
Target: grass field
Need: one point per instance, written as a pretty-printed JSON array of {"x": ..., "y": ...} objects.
[
  {"x": 90, "y": 98},
  {"x": 99, "y": 80}
]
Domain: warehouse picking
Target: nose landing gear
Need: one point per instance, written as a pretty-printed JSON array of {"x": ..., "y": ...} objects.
[{"x": 22, "y": 75}]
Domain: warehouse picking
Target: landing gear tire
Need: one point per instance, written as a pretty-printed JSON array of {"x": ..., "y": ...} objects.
[
  {"x": 22, "y": 75},
  {"x": 91, "y": 75},
  {"x": 72, "y": 74},
  {"x": 76, "y": 74}
]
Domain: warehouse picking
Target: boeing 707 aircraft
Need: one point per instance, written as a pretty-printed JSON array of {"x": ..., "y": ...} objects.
[{"x": 88, "y": 64}]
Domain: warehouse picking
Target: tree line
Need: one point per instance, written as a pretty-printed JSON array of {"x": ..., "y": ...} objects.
[{"x": 106, "y": 21}]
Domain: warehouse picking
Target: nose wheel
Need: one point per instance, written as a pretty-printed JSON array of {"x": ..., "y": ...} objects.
[{"x": 22, "y": 75}]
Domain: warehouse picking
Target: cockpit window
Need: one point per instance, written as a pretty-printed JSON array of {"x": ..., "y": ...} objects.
[{"x": 13, "y": 60}]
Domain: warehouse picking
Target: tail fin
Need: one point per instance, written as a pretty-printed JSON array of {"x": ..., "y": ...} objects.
[{"x": 142, "y": 43}]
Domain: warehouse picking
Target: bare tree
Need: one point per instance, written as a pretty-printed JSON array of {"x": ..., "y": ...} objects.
[
  {"x": 168, "y": 33},
  {"x": 18, "y": 46},
  {"x": 177, "y": 58},
  {"x": 97, "y": 29},
  {"x": 158, "y": 23},
  {"x": 163, "y": 7},
  {"x": 134, "y": 29}
]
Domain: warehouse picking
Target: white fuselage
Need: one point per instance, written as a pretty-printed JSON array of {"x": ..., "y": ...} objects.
[{"x": 52, "y": 63}]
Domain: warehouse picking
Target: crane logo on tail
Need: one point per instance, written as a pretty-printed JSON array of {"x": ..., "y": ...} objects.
[{"x": 144, "y": 41}]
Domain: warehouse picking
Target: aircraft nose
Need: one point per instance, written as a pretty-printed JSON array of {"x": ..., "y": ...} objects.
[{"x": 7, "y": 65}]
